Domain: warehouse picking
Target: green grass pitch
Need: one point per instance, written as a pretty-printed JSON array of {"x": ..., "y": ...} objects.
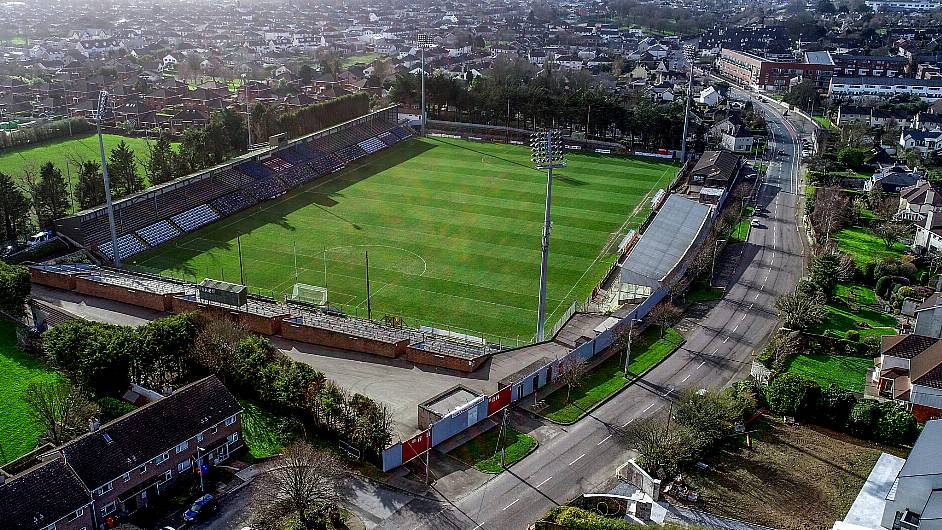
[{"x": 452, "y": 229}]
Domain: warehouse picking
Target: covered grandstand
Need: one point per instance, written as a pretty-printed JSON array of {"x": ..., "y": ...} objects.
[{"x": 162, "y": 213}]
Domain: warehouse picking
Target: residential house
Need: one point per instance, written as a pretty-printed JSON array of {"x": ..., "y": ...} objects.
[
  {"x": 918, "y": 200},
  {"x": 893, "y": 179},
  {"x": 739, "y": 140},
  {"x": 909, "y": 372},
  {"x": 713, "y": 176},
  {"x": 928, "y": 317},
  {"x": 47, "y": 496},
  {"x": 710, "y": 97},
  {"x": 929, "y": 233}
]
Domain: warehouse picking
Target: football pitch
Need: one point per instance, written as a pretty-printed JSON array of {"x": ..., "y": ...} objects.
[{"x": 452, "y": 229}]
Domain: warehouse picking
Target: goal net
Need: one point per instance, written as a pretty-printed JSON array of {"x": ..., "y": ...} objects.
[{"x": 309, "y": 294}]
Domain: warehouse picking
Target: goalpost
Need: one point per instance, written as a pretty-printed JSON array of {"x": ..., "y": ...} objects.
[{"x": 309, "y": 294}]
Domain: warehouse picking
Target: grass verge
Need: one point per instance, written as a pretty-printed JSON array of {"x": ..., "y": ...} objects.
[
  {"x": 607, "y": 378},
  {"x": 265, "y": 432},
  {"x": 702, "y": 292},
  {"x": 741, "y": 229},
  {"x": 18, "y": 435},
  {"x": 481, "y": 451}
]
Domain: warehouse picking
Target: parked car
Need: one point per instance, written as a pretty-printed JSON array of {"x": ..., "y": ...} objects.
[
  {"x": 201, "y": 509},
  {"x": 755, "y": 222},
  {"x": 40, "y": 237}
]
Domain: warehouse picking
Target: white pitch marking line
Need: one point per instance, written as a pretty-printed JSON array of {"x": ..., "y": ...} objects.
[
  {"x": 604, "y": 440},
  {"x": 684, "y": 380},
  {"x": 571, "y": 463},
  {"x": 699, "y": 366},
  {"x": 544, "y": 482},
  {"x": 511, "y": 504}
]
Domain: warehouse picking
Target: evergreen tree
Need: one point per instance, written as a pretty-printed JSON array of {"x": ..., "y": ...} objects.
[
  {"x": 51, "y": 196},
  {"x": 122, "y": 170},
  {"x": 159, "y": 165},
  {"x": 90, "y": 189},
  {"x": 14, "y": 209}
]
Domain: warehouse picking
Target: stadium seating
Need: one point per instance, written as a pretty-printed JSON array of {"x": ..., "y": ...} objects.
[
  {"x": 265, "y": 189},
  {"x": 231, "y": 203},
  {"x": 128, "y": 245},
  {"x": 388, "y": 138},
  {"x": 350, "y": 153},
  {"x": 297, "y": 154},
  {"x": 195, "y": 217},
  {"x": 233, "y": 177},
  {"x": 134, "y": 216},
  {"x": 255, "y": 170},
  {"x": 277, "y": 164},
  {"x": 158, "y": 232},
  {"x": 401, "y": 131},
  {"x": 372, "y": 145}
]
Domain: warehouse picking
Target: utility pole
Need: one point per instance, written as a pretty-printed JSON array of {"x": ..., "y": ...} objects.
[
  {"x": 115, "y": 251},
  {"x": 241, "y": 269},
  {"x": 369, "y": 308},
  {"x": 689, "y": 55},
  {"x": 547, "y": 153}
]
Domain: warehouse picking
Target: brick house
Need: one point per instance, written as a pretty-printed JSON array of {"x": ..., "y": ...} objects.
[
  {"x": 118, "y": 467},
  {"x": 47, "y": 496}
]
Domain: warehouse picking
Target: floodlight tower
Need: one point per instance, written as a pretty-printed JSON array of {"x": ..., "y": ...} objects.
[
  {"x": 689, "y": 54},
  {"x": 547, "y": 153},
  {"x": 115, "y": 251},
  {"x": 423, "y": 40}
]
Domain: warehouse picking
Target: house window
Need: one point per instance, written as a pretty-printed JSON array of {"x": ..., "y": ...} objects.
[
  {"x": 230, "y": 420},
  {"x": 161, "y": 458},
  {"x": 165, "y": 477},
  {"x": 75, "y": 515},
  {"x": 233, "y": 438},
  {"x": 126, "y": 477},
  {"x": 142, "y": 469},
  {"x": 182, "y": 447},
  {"x": 199, "y": 437},
  {"x": 104, "y": 489},
  {"x": 109, "y": 508},
  {"x": 214, "y": 430},
  {"x": 51, "y": 527},
  {"x": 183, "y": 466}
]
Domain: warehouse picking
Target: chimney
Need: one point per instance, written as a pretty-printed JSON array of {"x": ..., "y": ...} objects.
[
  {"x": 93, "y": 424},
  {"x": 930, "y": 196}
]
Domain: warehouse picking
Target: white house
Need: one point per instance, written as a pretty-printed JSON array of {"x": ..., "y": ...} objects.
[
  {"x": 169, "y": 61},
  {"x": 737, "y": 141},
  {"x": 922, "y": 141},
  {"x": 710, "y": 97}
]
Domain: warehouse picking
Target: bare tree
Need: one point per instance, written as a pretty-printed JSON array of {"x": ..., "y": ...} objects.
[
  {"x": 831, "y": 210},
  {"x": 664, "y": 314},
  {"x": 573, "y": 370},
  {"x": 890, "y": 232},
  {"x": 215, "y": 344},
  {"x": 305, "y": 483},
  {"x": 799, "y": 310},
  {"x": 59, "y": 407},
  {"x": 659, "y": 445}
]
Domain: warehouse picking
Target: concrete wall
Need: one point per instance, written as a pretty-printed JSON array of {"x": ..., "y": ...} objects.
[
  {"x": 155, "y": 301},
  {"x": 312, "y": 335}
]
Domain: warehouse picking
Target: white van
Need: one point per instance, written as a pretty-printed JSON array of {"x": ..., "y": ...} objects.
[{"x": 41, "y": 237}]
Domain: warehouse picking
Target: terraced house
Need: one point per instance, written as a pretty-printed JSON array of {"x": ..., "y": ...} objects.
[{"x": 119, "y": 467}]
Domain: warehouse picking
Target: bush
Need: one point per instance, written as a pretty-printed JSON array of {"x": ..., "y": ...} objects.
[
  {"x": 923, "y": 278},
  {"x": 834, "y": 407},
  {"x": 894, "y": 425},
  {"x": 112, "y": 408},
  {"x": 15, "y": 285},
  {"x": 792, "y": 394},
  {"x": 852, "y": 335},
  {"x": 883, "y": 285},
  {"x": 868, "y": 272},
  {"x": 862, "y": 417},
  {"x": 908, "y": 270}
]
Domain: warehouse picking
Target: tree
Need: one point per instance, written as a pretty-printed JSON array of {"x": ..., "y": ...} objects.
[
  {"x": 890, "y": 232},
  {"x": 60, "y": 408},
  {"x": 831, "y": 211},
  {"x": 664, "y": 315},
  {"x": 330, "y": 63},
  {"x": 305, "y": 73},
  {"x": 90, "y": 188},
  {"x": 122, "y": 170},
  {"x": 826, "y": 270},
  {"x": 50, "y": 195},
  {"x": 710, "y": 415},
  {"x": 659, "y": 447},
  {"x": 851, "y": 157},
  {"x": 305, "y": 482},
  {"x": 159, "y": 165},
  {"x": 894, "y": 425},
  {"x": 782, "y": 345},
  {"x": 573, "y": 370},
  {"x": 215, "y": 344},
  {"x": 803, "y": 95},
  {"x": 826, "y": 7},
  {"x": 799, "y": 310},
  {"x": 15, "y": 285},
  {"x": 14, "y": 210},
  {"x": 792, "y": 394}
]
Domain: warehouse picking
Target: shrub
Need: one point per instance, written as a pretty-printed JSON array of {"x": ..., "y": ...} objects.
[
  {"x": 112, "y": 408},
  {"x": 853, "y": 335},
  {"x": 908, "y": 270},
  {"x": 923, "y": 278},
  {"x": 868, "y": 272},
  {"x": 792, "y": 394},
  {"x": 834, "y": 406},
  {"x": 862, "y": 417},
  {"x": 14, "y": 288},
  {"x": 894, "y": 425},
  {"x": 883, "y": 285}
]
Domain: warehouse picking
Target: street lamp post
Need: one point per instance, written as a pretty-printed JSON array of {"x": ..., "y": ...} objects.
[
  {"x": 248, "y": 112},
  {"x": 547, "y": 153},
  {"x": 631, "y": 325},
  {"x": 115, "y": 251}
]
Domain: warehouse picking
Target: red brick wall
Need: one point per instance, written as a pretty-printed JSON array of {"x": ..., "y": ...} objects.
[
  {"x": 154, "y": 301},
  {"x": 321, "y": 337},
  {"x": 53, "y": 279},
  {"x": 455, "y": 363},
  {"x": 83, "y": 521},
  {"x": 257, "y": 323},
  {"x": 924, "y": 413}
]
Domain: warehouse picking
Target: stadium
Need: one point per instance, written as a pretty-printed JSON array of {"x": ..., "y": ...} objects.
[{"x": 372, "y": 221}]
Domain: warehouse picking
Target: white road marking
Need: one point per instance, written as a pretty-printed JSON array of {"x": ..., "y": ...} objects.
[
  {"x": 699, "y": 366},
  {"x": 544, "y": 482},
  {"x": 714, "y": 351},
  {"x": 629, "y": 422},
  {"x": 757, "y": 296},
  {"x": 737, "y": 327},
  {"x": 604, "y": 440},
  {"x": 685, "y": 378},
  {"x": 647, "y": 409},
  {"x": 744, "y": 315},
  {"x": 571, "y": 463},
  {"x": 725, "y": 340},
  {"x": 669, "y": 390},
  {"x": 511, "y": 504}
]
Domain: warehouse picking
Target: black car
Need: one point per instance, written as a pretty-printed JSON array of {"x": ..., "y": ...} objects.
[{"x": 201, "y": 509}]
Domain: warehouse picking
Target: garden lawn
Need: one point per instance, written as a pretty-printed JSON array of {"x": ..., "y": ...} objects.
[
  {"x": 480, "y": 450},
  {"x": 841, "y": 318},
  {"x": 18, "y": 435},
  {"x": 265, "y": 432},
  {"x": 844, "y": 371},
  {"x": 607, "y": 378},
  {"x": 864, "y": 246},
  {"x": 452, "y": 229},
  {"x": 16, "y": 161},
  {"x": 741, "y": 229},
  {"x": 862, "y": 295}
]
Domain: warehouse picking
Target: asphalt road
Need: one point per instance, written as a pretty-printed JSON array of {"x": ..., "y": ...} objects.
[{"x": 717, "y": 352}]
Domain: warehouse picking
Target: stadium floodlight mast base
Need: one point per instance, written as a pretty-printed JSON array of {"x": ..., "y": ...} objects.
[
  {"x": 115, "y": 251},
  {"x": 547, "y": 153}
]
